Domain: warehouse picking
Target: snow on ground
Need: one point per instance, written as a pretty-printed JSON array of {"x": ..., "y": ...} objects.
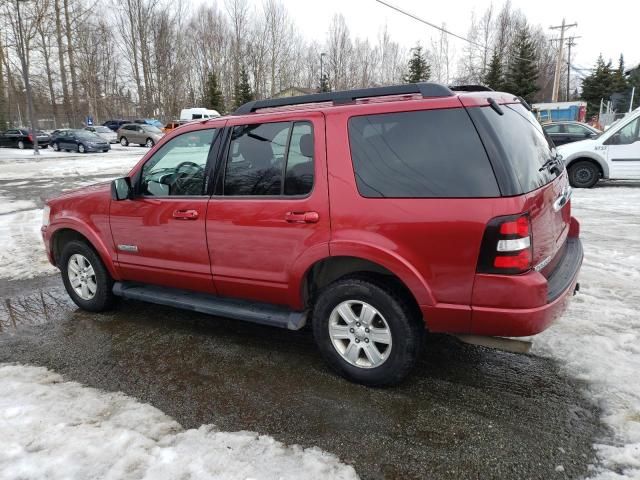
[
  {"x": 21, "y": 164},
  {"x": 8, "y": 205},
  {"x": 61, "y": 430},
  {"x": 22, "y": 254},
  {"x": 598, "y": 339}
]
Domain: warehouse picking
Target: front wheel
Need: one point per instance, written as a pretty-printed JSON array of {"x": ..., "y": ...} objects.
[
  {"x": 583, "y": 174},
  {"x": 81, "y": 148},
  {"x": 55, "y": 146},
  {"x": 85, "y": 277},
  {"x": 21, "y": 145},
  {"x": 124, "y": 142},
  {"x": 367, "y": 332},
  {"x": 149, "y": 143}
]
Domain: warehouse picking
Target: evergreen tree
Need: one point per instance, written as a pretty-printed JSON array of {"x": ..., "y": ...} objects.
[
  {"x": 213, "y": 94},
  {"x": 419, "y": 69},
  {"x": 620, "y": 88},
  {"x": 597, "y": 86},
  {"x": 522, "y": 75},
  {"x": 494, "y": 78},
  {"x": 242, "y": 89}
]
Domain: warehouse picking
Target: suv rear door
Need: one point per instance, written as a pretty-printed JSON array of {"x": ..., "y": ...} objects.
[{"x": 270, "y": 205}]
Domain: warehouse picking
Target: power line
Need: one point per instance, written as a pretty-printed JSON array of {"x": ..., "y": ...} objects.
[
  {"x": 421, "y": 20},
  {"x": 444, "y": 30}
]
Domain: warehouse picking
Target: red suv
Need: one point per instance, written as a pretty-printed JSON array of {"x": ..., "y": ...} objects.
[{"x": 372, "y": 214}]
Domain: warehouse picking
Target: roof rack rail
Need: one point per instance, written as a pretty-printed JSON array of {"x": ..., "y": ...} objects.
[
  {"x": 425, "y": 89},
  {"x": 470, "y": 88}
]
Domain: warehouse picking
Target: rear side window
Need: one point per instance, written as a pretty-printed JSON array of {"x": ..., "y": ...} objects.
[
  {"x": 422, "y": 154},
  {"x": 518, "y": 140}
]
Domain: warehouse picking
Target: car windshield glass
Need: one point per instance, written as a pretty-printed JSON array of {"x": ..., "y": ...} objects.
[{"x": 151, "y": 129}]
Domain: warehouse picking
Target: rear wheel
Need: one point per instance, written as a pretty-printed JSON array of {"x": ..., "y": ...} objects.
[
  {"x": 583, "y": 174},
  {"x": 123, "y": 141},
  {"x": 367, "y": 332},
  {"x": 85, "y": 277},
  {"x": 81, "y": 148}
]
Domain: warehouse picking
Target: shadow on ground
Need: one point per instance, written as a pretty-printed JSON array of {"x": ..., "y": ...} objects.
[{"x": 467, "y": 412}]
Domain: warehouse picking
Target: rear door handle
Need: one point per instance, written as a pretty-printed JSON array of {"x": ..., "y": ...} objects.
[
  {"x": 302, "y": 217},
  {"x": 185, "y": 214}
]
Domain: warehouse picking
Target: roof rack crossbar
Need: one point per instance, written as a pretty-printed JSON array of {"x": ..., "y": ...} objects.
[{"x": 346, "y": 96}]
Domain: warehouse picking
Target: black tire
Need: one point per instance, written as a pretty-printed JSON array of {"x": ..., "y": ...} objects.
[
  {"x": 124, "y": 142},
  {"x": 583, "y": 174},
  {"x": 103, "y": 298},
  {"x": 55, "y": 146},
  {"x": 44, "y": 146},
  {"x": 81, "y": 148},
  {"x": 21, "y": 145},
  {"x": 149, "y": 143},
  {"x": 403, "y": 320}
]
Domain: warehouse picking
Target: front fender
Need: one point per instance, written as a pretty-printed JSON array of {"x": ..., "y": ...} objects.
[
  {"x": 591, "y": 156},
  {"x": 91, "y": 235}
]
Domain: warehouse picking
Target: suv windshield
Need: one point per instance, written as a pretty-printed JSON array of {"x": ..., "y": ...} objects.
[{"x": 517, "y": 142}]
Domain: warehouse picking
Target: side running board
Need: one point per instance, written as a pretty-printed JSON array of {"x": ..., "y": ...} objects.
[{"x": 256, "y": 312}]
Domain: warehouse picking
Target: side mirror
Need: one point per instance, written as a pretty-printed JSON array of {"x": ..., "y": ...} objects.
[
  {"x": 588, "y": 134},
  {"x": 121, "y": 189}
]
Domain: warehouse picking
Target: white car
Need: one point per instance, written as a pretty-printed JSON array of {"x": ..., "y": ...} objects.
[
  {"x": 105, "y": 132},
  {"x": 197, "y": 113},
  {"x": 614, "y": 154}
]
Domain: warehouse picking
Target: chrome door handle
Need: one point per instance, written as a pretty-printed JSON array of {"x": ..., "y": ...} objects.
[
  {"x": 185, "y": 214},
  {"x": 562, "y": 200}
]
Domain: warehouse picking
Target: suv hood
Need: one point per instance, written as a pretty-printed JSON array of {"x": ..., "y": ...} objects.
[{"x": 102, "y": 187}]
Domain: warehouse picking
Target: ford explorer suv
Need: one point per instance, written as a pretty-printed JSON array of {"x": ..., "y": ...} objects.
[
  {"x": 371, "y": 215},
  {"x": 614, "y": 154}
]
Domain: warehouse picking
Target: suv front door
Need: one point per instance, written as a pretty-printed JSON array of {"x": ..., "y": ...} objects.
[
  {"x": 623, "y": 151},
  {"x": 159, "y": 234},
  {"x": 270, "y": 206}
]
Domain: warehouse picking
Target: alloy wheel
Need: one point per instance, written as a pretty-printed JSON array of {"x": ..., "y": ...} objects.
[{"x": 82, "y": 277}]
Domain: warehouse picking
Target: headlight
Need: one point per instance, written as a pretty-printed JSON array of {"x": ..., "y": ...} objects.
[{"x": 46, "y": 211}]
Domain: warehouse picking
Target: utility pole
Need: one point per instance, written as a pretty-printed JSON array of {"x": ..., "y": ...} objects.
[
  {"x": 25, "y": 76},
  {"x": 556, "y": 77},
  {"x": 570, "y": 43}
]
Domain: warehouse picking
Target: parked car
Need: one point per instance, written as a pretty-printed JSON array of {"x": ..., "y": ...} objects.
[
  {"x": 373, "y": 221},
  {"x": 23, "y": 138},
  {"x": 115, "y": 124},
  {"x": 149, "y": 121},
  {"x": 145, "y": 135},
  {"x": 567, "y": 132},
  {"x": 80, "y": 141},
  {"x": 197, "y": 113},
  {"x": 104, "y": 132},
  {"x": 173, "y": 125},
  {"x": 614, "y": 154}
]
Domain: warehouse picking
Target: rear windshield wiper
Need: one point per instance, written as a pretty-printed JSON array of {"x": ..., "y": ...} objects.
[{"x": 552, "y": 164}]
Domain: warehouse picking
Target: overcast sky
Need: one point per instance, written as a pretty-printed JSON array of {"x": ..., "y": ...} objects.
[{"x": 606, "y": 27}]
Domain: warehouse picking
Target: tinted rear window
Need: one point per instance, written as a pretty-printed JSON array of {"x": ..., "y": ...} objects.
[
  {"x": 422, "y": 154},
  {"x": 521, "y": 144}
]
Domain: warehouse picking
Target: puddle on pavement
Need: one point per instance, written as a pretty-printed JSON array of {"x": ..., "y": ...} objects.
[{"x": 31, "y": 310}]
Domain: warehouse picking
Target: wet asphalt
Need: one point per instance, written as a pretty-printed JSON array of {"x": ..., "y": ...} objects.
[{"x": 466, "y": 413}]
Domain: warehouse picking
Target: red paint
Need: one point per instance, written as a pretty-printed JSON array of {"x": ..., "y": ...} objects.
[{"x": 261, "y": 248}]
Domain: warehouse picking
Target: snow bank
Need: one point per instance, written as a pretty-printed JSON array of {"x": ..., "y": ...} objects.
[
  {"x": 22, "y": 254},
  {"x": 598, "y": 339},
  {"x": 61, "y": 430}
]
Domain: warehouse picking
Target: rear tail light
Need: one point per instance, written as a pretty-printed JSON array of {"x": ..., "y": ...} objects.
[
  {"x": 30, "y": 137},
  {"x": 506, "y": 246}
]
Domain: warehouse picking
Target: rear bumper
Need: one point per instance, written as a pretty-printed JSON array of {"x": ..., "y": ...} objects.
[
  {"x": 512, "y": 305},
  {"x": 518, "y": 322}
]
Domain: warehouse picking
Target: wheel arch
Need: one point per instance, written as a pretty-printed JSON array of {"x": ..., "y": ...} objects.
[
  {"x": 67, "y": 233},
  {"x": 326, "y": 270},
  {"x": 599, "y": 162}
]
